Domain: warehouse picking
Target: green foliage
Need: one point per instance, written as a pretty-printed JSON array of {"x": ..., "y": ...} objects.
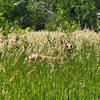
[
  {"x": 6, "y": 16},
  {"x": 53, "y": 15},
  {"x": 82, "y": 15},
  {"x": 2, "y": 19},
  {"x": 4, "y": 24},
  {"x": 39, "y": 14}
]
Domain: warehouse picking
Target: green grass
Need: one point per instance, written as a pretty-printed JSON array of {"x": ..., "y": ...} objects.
[{"x": 74, "y": 78}]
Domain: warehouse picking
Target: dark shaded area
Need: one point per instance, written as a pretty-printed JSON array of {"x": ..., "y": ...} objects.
[
  {"x": 72, "y": 12},
  {"x": 25, "y": 21}
]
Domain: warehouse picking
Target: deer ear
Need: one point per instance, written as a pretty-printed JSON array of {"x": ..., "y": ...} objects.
[
  {"x": 71, "y": 41},
  {"x": 62, "y": 39}
]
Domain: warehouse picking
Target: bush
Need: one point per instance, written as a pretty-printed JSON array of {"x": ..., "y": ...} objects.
[
  {"x": 42, "y": 14},
  {"x": 75, "y": 14},
  {"x": 39, "y": 13}
]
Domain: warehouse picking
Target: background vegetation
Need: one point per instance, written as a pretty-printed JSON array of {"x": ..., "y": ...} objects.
[{"x": 61, "y": 15}]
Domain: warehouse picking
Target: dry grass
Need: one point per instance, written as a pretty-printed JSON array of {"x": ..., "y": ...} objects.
[
  {"x": 45, "y": 42},
  {"x": 89, "y": 35}
]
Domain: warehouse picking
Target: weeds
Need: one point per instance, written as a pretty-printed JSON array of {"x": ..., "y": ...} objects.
[{"x": 74, "y": 78}]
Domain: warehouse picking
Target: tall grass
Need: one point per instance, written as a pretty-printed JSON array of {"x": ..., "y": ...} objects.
[{"x": 74, "y": 78}]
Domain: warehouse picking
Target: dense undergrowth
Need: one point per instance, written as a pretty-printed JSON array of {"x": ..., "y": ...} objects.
[
  {"x": 53, "y": 15},
  {"x": 77, "y": 77}
]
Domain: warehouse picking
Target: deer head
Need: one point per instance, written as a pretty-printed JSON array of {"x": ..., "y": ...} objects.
[{"x": 68, "y": 44}]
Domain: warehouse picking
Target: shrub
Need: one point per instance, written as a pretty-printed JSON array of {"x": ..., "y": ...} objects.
[{"x": 39, "y": 13}]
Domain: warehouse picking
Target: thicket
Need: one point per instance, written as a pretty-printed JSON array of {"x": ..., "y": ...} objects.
[{"x": 63, "y": 15}]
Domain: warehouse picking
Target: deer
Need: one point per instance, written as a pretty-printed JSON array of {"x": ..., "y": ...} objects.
[{"x": 67, "y": 45}]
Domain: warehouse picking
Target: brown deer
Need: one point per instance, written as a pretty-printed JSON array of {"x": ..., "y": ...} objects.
[
  {"x": 68, "y": 47},
  {"x": 68, "y": 44}
]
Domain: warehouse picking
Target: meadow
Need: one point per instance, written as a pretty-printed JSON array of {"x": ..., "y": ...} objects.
[{"x": 76, "y": 77}]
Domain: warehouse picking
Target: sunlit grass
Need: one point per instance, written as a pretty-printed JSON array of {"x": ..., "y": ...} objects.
[{"x": 75, "y": 78}]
